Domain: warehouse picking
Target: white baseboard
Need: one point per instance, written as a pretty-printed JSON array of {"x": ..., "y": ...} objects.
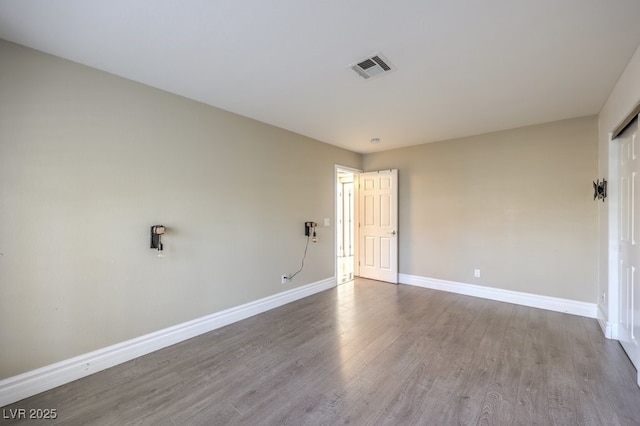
[
  {"x": 605, "y": 324},
  {"x": 573, "y": 307},
  {"x": 33, "y": 382}
]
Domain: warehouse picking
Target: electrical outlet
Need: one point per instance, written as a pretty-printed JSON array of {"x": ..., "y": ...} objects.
[
  {"x": 476, "y": 273},
  {"x": 284, "y": 279}
]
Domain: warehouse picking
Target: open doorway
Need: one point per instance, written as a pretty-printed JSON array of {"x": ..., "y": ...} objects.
[{"x": 345, "y": 224}]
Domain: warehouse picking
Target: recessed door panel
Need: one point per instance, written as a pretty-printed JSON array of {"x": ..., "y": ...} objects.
[
  {"x": 386, "y": 212},
  {"x": 369, "y": 210},
  {"x": 369, "y": 184},
  {"x": 385, "y": 183},
  {"x": 369, "y": 251},
  {"x": 385, "y": 253},
  {"x": 625, "y": 198},
  {"x": 632, "y": 302},
  {"x": 633, "y": 216}
]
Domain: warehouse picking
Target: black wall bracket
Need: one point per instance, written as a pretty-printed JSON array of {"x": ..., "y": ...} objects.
[
  {"x": 600, "y": 190},
  {"x": 156, "y": 231},
  {"x": 308, "y": 226}
]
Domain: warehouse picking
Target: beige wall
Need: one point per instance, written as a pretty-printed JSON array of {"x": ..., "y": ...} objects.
[
  {"x": 516, "y": 204},
  {"x": 623, "y": 98},
  {"x": 89, "y": 161}
]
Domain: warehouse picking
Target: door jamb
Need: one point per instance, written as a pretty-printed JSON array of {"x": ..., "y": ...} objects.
[{"x": 356, "y": 253}]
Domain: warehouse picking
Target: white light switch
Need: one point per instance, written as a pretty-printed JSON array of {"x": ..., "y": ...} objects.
[{"x": 327, "y": 222}]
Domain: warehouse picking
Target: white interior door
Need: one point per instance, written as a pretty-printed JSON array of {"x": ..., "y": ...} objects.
[
  {"x": 378, "y": 225},
  {"x": 629, "y": 281}
]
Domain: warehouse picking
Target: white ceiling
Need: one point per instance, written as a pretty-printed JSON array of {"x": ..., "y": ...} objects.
[{"x": 464, "y": 67}]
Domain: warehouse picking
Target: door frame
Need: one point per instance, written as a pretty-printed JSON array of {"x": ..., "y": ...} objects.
[{"x": 356, "y": 211}]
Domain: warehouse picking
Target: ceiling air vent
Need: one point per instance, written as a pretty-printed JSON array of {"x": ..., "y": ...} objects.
[{"x": 372, "y": 66}]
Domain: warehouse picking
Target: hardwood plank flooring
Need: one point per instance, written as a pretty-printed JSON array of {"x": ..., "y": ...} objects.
[{"x": 368, "y": 353}]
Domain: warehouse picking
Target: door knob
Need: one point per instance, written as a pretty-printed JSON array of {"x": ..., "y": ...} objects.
[{"x": 393, "y": 232}]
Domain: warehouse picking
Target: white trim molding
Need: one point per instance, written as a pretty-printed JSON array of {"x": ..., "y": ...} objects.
[
  {"x": 42, "y": 379},
  {"x": 568, "y": 306},
  {"x": 605, "y": 324}
]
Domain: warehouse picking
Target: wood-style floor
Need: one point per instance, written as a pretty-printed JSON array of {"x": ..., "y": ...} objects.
[{"x": 369, "y": 353}]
